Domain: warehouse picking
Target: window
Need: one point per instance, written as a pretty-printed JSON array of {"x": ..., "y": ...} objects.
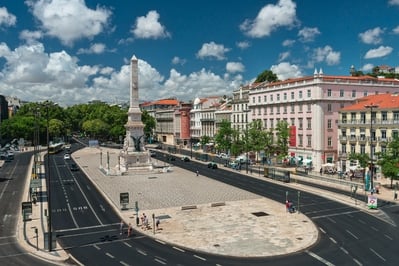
[
  {"x": 253, "y": 99},
  {"x": 265, "y": 123},
  {"x": 285, "y": 109},
  {"x": 300, "y": 108},
  {"x": 308, "y": 123},
  {"x": 362, "y": 149},
  {"x": 309, "y": 92},
  {"x": 309, "y": 137},
  {"x": 278, "y": 97},
  {"x": 265, "y": 98},
  {"x": 329, "y": 124},
  {"x": 278, "y": 109},
  {"x": 354, "y": 94},
  {"x": 365, "y": 93},
  {"x": 363, "y": 117},
  {"x": 259, "y": 110},
  {"x": 329, "y": 107},
  {"x": 300, "y": 138},
  {"x": 265, "y": 110},
  {"x": 343, "y": 148},
  {"x": 292, "y": 121},
  {"x": 353, "y": 148},
  {"x": 300, "y": 94},
  {"x": 329, "y": 141},
  {"x": 341, "y": 93},
  {"x": 285, "y": 96},
  {"x": 344, "y": 119},
  {"x": 271, "y": 97},
  {"x": 271, "y": 123},
  {"x": 292, "y": 107},
  {"x": 384, "y": 116},
  {"x": 395, "y": 116},
  {"x": 353, "y": 118},
  {"x": 329, "y": 93},
  {"x": 341, "y": 105},
  {"x": 300, "y": 120},
  {"x": 362, "y": 134},
  {"x": 292, "y": 95},
  {"x": 309, "y": 107},
  {"x": 259, "y": 99},
  {"x": 271, "y": 110},
  {"x": 383, "y": 134}
]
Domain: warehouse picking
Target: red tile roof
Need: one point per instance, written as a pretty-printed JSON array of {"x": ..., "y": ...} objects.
[{"x": 383, "y": 101}]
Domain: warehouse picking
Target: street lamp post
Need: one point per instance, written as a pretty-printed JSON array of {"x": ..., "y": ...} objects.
[
  {"x": 371, "y": 106},
  {"x": 49, "y": 229}
]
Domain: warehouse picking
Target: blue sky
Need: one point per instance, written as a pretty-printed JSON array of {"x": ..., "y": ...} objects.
[{"x": 74, "y": 51}]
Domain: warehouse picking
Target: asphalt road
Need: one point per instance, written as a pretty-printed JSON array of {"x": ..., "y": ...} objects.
[{"x": 12, "y": 183}]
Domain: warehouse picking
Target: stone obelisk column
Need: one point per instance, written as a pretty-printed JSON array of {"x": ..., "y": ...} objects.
[{"x": 134, "y": 141}]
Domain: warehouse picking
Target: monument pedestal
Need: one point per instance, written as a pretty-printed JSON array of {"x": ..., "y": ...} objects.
[{"x": 131, "y": 162}]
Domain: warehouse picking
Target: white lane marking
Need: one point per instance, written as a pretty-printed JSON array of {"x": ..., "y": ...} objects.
[
  {"x": 322, "y": 230},
  {"x": 159, "y": 241},
  {"x": 102, "y": 208},
  {"x": 378, "y": 255},
  {"x": 109, "y": 255},
  {"x": 96, "y": 247},
  {"x": 198, "y": 257},
  {"x": 349, "y": 232},
  {"x": 333, "y": 214},
  {"x": 333, "y": 240},
  {"x": 387, "y": 236},
  {"x": 357, "y": 262},
  {"x": 317, "y": 257},
  {"x": 331, "y": 220},
  {"x": 87, "y": 227},
  {"x": 179, "y": 249},
  {"x": 73, "y": 217},
  {"x": 344, "y": 250},
  {"x": 160, "y": 261},
  {"x": 141, "y": 252},
  {"x": 124, "y": 263},
  {"x": 361, "y": 221},
  {"x": 375, "y": 229},
  {"x": 127, "y": 244}
]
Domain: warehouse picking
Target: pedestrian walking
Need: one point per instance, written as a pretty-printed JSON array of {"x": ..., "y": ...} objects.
[
  {"x": 121, "y": 228},
  {"x": 157, "y": 223},
  {"x": 129, "y": 230},
  {"x": 197, "y": 172},
  {"x": 395, "y": 195}
]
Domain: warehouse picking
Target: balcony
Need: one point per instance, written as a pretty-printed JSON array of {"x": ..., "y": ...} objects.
[
  {"x": 343, "y": 139},
  {"x": 352, "y": 139},
  {"x": 362, "y": 139}
]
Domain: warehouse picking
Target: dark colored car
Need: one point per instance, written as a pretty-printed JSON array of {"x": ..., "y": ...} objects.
[
  {"x": 185, "y": 159},
  {"x": 74, "y": 167},
  {"x": 212, "y": 165}
]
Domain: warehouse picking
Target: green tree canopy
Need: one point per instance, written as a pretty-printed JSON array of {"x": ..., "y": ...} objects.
[
  {"x": 266, "y": 75},
  {"x": 224, "y": 136},
  {"x": 389, "y": 161}
]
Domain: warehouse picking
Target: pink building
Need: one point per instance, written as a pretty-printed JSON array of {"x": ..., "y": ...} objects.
[{"x": 310, "y": 106}]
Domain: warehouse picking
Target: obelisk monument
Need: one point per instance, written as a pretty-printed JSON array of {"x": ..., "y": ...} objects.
[
  {"x": 134, "y": 141},
  {"x": 133, "y": 156}
]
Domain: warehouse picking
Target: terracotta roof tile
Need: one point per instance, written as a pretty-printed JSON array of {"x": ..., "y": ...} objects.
[{"x": 384, "y": 101}]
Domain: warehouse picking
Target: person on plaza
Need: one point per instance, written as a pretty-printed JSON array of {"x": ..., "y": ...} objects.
[
  {"x": 157, "y": 223},
  {"x": 129, "y": 230},
  {"x": 197, "y": 172},
  {"x": 321, "y": 170},
  {"x": 287, "y": 205}
]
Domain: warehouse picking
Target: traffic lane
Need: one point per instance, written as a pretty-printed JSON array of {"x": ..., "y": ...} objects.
[{"x": 364, "y": 238}]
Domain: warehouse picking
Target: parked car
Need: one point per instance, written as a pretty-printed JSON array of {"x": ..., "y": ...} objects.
[
  {"x": 212, "y": 165},
  {"x": 185, "y": 159},
  {"x": 67, "y": 156}
]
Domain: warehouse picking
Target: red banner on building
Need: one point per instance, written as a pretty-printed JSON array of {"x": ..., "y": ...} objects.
[{"x": 293, "y": 136}]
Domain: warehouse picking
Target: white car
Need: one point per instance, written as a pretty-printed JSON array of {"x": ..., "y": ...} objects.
[{"x": 67, "y": 156}]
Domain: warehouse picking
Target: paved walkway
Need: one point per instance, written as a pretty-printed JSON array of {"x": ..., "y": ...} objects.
[{"x": 197, "y": 212}]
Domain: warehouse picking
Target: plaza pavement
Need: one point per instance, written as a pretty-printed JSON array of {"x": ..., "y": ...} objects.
[{"x": 197, "y": 212}]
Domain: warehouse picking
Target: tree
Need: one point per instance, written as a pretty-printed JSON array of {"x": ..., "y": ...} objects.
[
  {"x": 283, "y": 133},
  {"x": 258, "y": 138},
  {"x": 149, "y": 125},
  {"x": 266, "y": 75},
  {"x": 95, "y": 127},
  {"x": 224, "y": 136},
  {"x": 389, "y": 161}
]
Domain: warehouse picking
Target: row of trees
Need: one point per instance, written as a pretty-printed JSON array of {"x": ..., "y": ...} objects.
[{"x": 96, "y": 120}]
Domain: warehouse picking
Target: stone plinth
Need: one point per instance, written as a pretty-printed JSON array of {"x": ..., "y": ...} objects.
[{"x": 135, "y": 162}]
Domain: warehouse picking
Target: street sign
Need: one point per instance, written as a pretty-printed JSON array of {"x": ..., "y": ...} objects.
[
  {"x": 26, "y": 210},
  {"x": 372, "y": 202},
  {"x": 124, "y": 199},
  {"x": 35, "y": 183}
]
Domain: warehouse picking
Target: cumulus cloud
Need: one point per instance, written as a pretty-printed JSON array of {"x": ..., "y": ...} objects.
[
  {"x": 6, "y": 19},
  {"x": 396, "y": 30},
  {"x": 269, "y": 18},
  {"x": 372, "y": 36},
  {"x": 243, "y": 45},
  {"x": 283, "y": 56},
  {"x": 32, "y": 74},
  {"x": 394, "y": 2},
  {"x": 178, "y": 61},
  {"x": 212, "y": 50},
  {"x": 325, "y": 54},
  {"x": 233, "y": 67},
  {"x": 96, "y": 48},
  {"x": 30, "y": 36},
  {"x": 285, "y": 70},
  {"x": 378, "y": 52},
  {"x": 308, "y": 34},
  {"x": 287, "y": 43},
  {"x": 69, "y": 20},
  {"x": 149, "y": 27},
  {"x": 367, "y": 68}
]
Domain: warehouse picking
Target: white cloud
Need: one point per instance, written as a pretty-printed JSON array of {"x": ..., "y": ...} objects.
[
  {"x": 285, "y": 70},
  {"x": 379, "y": 52},
  {"x": 308, "y": 34},
  {"x": 178, "y": 61},
  {"x": 148, "y": 27},
  {"x": 396, "y": 30},
  {"x": 96, "y": 48},
  {"x": 372, "y": 36},
  {"x": 269, "y": 18},
  {"x": 325, "y": 54},
  {"x": 394, "y": 2},
  {"x": 6, "y": 18},
  {"x": 32, "y": 74},
  {"x": 243, "y": 45},
  {"x": 69, "y": 20},
  {"x": 233, "y": 67},
  {"x": 288, "y": 43},
  {"x": 367, "y": 68},
  {"x": 283, "y": 56},
  {"x": 30, "y": 36},
  {"x": 212, "y": 50}
]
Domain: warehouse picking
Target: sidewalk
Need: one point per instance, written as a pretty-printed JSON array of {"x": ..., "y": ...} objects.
[{"x": 27, "y": 238}]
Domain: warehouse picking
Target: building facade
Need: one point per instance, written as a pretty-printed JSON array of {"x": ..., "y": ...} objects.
[{"x": 310, "y": 106}]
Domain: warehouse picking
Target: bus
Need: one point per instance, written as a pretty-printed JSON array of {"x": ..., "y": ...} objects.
[
  {"x": 55, "y": 148},
  {"x": 277, "y": 174}
]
